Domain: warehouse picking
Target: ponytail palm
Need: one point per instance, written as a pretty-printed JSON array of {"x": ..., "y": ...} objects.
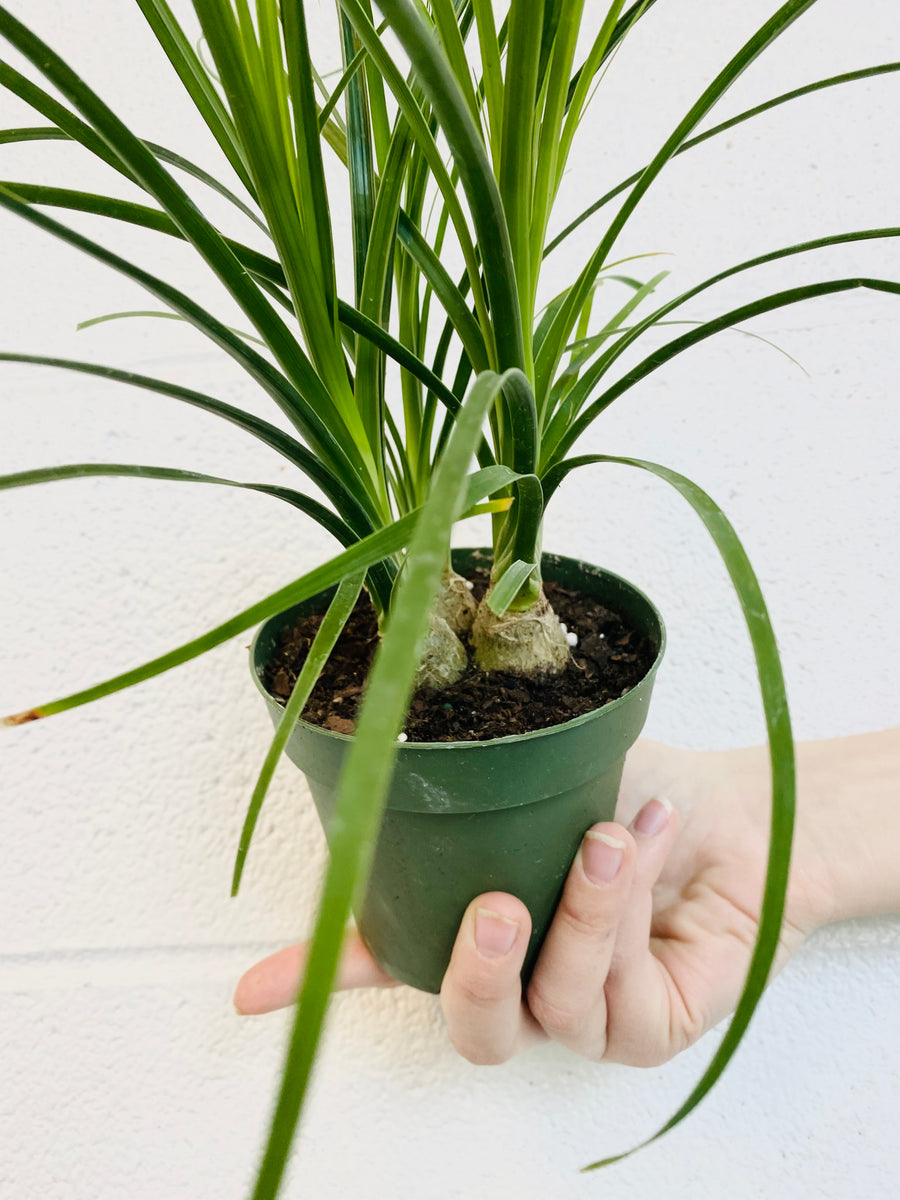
[{"x": 443, "y": 346}]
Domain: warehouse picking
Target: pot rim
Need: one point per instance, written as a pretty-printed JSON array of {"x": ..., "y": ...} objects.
[{"x": 507, "y": 739}]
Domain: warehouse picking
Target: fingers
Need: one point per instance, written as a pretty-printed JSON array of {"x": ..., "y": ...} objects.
[
  {"x": 638, "y": 1004},
  {"x": 597, "y": 988},
  {"x": 566, "y": 994},
  {"x": 599, "y": 937},
  {"x": 482, "y": 994},
  {"x": 274, "y": 982}
]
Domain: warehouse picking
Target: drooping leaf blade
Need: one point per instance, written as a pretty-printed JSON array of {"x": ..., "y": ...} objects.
[
  {"x": 367, "y": 771},
  {"x": 258, "y": 264},
  {"x": 722, "y": 127},
  {"x": 269, "y": 434},
  {"x": 707, "y": 329},
  {"x": 362, "y": 555},
  {"x": 319, "y": 652},
  {"x": 781, "y": 755},
  {"x": 293, "y": 403},
  {"x": 306, "y": 504},
  {"x": 565, "y": 320}
]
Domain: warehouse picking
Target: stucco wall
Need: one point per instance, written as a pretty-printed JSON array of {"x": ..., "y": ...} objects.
[{"x": 125, "y": 1072}]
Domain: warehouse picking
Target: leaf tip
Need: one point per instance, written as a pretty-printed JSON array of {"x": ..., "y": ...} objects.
[
  {"x": 602, "y": 1162},
  {"x": 22, "y": 718}
]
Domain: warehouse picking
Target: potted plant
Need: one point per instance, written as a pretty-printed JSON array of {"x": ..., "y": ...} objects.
[{"x": 446, "y": 292}]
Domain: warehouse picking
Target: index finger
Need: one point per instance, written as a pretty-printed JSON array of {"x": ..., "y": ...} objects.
[{"x": 275, "y": 981}]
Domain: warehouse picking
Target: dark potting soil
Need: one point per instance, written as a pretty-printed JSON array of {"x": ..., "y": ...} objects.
[{"x": 609, "y": 659}]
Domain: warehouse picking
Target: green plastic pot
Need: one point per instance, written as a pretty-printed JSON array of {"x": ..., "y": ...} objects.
[{"x": 464, "y": 818}]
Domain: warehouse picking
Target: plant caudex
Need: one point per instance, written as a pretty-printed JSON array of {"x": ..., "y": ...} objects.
[{"x": 383, "y": 380}]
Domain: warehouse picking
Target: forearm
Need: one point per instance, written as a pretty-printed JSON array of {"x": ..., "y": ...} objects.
[
  {"x": 846, "y": 857},
  {"x": 849, "y": 819}
]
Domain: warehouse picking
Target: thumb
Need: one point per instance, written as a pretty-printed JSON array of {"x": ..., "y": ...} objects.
[{"x": 275, "y": 981}]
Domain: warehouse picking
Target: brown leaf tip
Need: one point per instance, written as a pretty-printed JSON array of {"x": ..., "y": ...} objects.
[{"x": 22, "y": 718}]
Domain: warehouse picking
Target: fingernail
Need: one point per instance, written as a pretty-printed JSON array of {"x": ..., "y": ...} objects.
[
  {"x": 653, "y": 816},
  {"x": 494, "y": 934},
  {"x": 601, "y": 856}
]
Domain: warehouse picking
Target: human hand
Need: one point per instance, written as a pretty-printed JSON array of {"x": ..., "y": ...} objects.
[{"x": 650, "y": 943}]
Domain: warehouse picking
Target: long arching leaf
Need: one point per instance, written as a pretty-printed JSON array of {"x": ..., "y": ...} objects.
[
  {"x": 319, "y": 652},
  {"x": 581, "y": 390},
  {"x": 361, "y": 556},
  {"x": 259, "y": 264},
  {"x": 366, "y": 774},
  {"x": 781, "y": 753},
  {"x": 306, "y": 504},
  {"x": 301, "y": 411},
  {"x": 141, "y": 161},
  {"x": 344, "y": 501},
  {"x": 796, "y": 93},
  {"x": 43, "y": 133},
  {"x": 708, "y": 329},
  {"x": 565, "y": 320},
  {"x": 196, "y": 228}
]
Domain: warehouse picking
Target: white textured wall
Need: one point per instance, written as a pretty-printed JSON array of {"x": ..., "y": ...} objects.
[{"x": 125, "y": 1072}]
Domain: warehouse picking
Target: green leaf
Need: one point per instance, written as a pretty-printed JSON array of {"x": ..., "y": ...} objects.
[
  {"x": 518, "y": 538},
  {"x": 197, "y": 81},
  {"x": 39, "y": 133},
  {"x": 306, "y": 504},
  {"x": 781, "y": 754},
  {"x": 516, "y": 166},
  {"x": 288, "y": 175},
  {"x": 507, "y": 588},
  {"x": 343, "y": 500},
  {"x": 260, "y": 264},
  {"x": 586, "y": 349},
  {"x": 165, "y": 316},
  {"x": 411, "y": 110},
  {"x": 190, "y": 168},
  {"x": 379, "y": 337},
  {"x": 329, "y": 106},
  {"x": 367, "y": 772},
  {"x": 360, "y": 156},
  {"x": 452, "y": 300},
  {"x": 437, "y": 80},
  {"x": 492, "y": 72},
  {"x": 308, "y": 147},
  {"x": 566, "y": 319},
  {"x": 639, "y": 9},
  {"x": 147, "y": 169},
  {"x": 579, "y": 89},
  {"x": 796, "y": 93},
  {"x": 375, "y": 286},
  {"x": 556, "y": 434},
  {"x": 361, "y": 556},
  {"x": 327, "y": 635},
  {"x": 521, "y": 422},
  {"x": 67, "y": 123},
  {"x": 32, "y": 133},
  {"x": 447, "y": 22},
  {"x": 319, "y": 433},
  {"x": 708, "y": 329},
  {"x": 489, "y": 480}
]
